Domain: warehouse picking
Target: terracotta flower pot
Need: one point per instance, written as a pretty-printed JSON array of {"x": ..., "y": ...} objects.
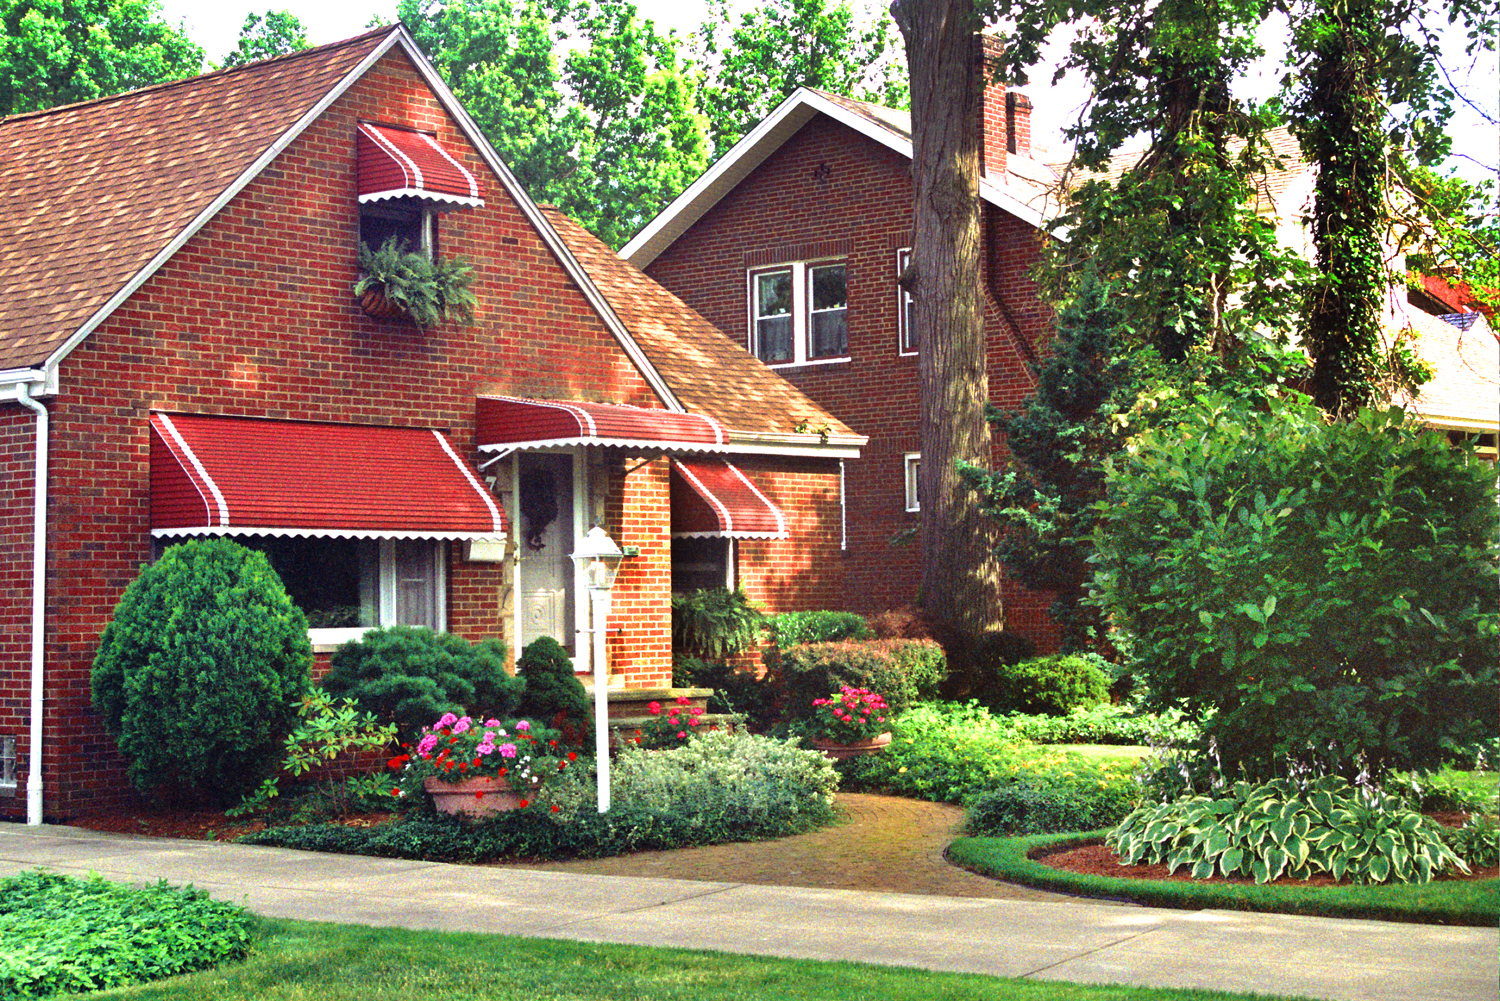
[
  {"x": 839, "y": 751},
  {"x": 484, "y": 796}
]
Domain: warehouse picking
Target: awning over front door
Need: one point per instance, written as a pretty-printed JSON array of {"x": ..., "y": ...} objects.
[
  {"x": 506, "y": 423},
  {"x": 404, "y": 163},
  {"x": 713, "y": 499},
  {"x": 249, "y": 476}
]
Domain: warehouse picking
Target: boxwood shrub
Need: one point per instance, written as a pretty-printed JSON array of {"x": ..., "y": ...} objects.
[
  {"x": 1053, "y": 685},
  {"x": 903, "y": 671},
  {"x": 198, "y": 673}
]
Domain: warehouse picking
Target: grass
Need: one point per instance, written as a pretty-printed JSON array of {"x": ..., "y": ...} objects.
[
  {"x": 300, "y": 961},
  {"x": 1451, "y": 902}
]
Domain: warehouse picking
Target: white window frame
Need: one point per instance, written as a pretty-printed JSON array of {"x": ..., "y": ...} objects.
[
  {"x": 801, "y": 276},
  {"x": 911, "y": 465},
  {"x": 322, "y": 639},
  {"x": 903, "y": 308}
]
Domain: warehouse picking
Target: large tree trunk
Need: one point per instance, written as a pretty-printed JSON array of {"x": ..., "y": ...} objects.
[{"x": 960, "y": 575}]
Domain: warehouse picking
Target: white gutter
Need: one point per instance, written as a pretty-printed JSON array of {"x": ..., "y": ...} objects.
[{"x": 38, "y": 607}]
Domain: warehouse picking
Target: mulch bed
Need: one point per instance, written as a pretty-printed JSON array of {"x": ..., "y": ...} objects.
[
  {"x": 1097, "y": 859},
  {"x": 196, "y": 824}
]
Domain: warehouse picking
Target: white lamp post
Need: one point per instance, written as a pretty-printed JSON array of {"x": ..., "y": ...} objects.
[{"x": 599, "y": 559}]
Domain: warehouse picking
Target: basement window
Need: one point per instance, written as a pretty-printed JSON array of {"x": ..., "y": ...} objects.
[{"x": 7, "y": 765}]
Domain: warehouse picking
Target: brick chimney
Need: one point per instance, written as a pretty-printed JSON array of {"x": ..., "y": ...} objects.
[
  {"x": 994, "y": 112},
  {"x": 1018, "y": 123}
]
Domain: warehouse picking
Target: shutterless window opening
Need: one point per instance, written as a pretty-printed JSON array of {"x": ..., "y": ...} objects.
[
  {"x": 7, "y": 765},
  {"x": 410, "y": 220}
]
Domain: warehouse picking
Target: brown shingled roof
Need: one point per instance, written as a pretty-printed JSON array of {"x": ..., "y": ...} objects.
[
  {"x": 95, "y": 190},
  {"x": 1465, "y": 386},
  {"x": 707, "y": 371}
]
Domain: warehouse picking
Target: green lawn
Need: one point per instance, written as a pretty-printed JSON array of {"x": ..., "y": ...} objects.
[{"x": 299, "y": 961}]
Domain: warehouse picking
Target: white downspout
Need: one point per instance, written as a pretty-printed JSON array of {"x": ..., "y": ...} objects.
[{"x": 38, "y": 607}]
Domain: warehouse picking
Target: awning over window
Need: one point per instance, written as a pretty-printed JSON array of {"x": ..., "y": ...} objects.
[
  {"x": 504, "y": 422},
  {"x": 395, "y": 162},
  {"x": 713, "y": 499},
  {"x": 247, "y": 476}
]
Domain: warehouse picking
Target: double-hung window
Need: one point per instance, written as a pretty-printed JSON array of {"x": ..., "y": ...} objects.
[
  {"x": 907, "y": 331},
  {"x": 799, "y": 313}
]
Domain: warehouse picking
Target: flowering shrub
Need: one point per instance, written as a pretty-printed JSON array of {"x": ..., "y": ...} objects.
[
  {"x": 670, "y": 726},
  {"x": 849, "y": 716},
  {"x": 456, "y": 748}
]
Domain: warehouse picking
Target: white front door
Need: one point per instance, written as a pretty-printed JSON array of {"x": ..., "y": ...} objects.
[{"x": 545, "y": 533}]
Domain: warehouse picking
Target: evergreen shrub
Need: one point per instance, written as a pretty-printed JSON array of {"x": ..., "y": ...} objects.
[
  {"x": 198, "y": 674},
  {"x": 902, "y": 671},
  {"x": 791, "y": 629},
  {"x": 410, "y": 676},
  {"x": 1053, "y": 685},
  {"x": 553, "y": 692}
]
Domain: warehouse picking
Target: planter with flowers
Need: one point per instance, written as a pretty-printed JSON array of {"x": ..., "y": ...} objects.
[
  {"x": 850, "y": 722},
  {"x": 477, "y": 769}
]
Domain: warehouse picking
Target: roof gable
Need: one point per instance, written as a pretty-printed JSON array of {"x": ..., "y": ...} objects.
[
  {"x": 1019, "y": 195},
  {"x": 122, "y": 181},
  {"x": 127, "y": 180}
]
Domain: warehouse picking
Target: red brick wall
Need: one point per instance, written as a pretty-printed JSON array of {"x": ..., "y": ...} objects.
[
  {"x": 254, "y": 317},
  {"x": 17, "y": 480},
  {"x": 804, "y": 571},
  {"x": 830, "y": 188}
]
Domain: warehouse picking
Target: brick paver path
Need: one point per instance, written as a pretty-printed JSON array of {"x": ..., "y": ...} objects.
[{"x": 888, "y": 843}]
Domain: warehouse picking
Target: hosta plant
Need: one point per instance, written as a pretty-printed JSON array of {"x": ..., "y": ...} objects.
[{"x": 1279, "y": 829}]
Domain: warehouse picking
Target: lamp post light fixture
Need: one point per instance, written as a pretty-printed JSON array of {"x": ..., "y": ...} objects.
[{"x": 598, "y": 560}]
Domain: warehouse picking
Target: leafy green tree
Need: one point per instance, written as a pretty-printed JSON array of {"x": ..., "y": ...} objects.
[
  {"x": 1366, "y": 99},
  {"x": 60, "y": 51},
  {"x": 778, "y": 46},
  {"x": 606, "y": 127},
  {"x": 1318, "y": 592},
  {"x": 198, "y": 672},
  {"x": 262, "y": 36},
  {"x": 1463, "y": 235}
]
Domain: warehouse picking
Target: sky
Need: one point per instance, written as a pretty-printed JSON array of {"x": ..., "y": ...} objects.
[{"x": 216, "y": 27}]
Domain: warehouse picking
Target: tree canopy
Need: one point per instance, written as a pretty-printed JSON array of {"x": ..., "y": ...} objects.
[
  {"x": 606, "y": 127},
  {"x": 61, "y": 51},
  {"x": 262, "y": 36},
  {"x": 749, "y": 67}
]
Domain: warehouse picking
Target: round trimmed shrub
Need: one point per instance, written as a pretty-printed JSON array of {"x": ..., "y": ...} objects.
[
  {"x": 553, "y": 692},
  {"x": 410, "y": 676},
  {"x": 198, "y": 672},
  {"x": 902, "y": 671},
  {"x": 1045, "y": 685}
]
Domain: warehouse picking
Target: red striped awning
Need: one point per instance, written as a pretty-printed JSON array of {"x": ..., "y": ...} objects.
[
  {"x": 507, "y": 423},
  {"x": 712, "y": 499},
  {"x": 248, "y": 476},
  {"x": 396, "y": 162}
]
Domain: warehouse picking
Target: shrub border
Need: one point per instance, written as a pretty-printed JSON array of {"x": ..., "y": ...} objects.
[{"x": 1434, "y": 903}]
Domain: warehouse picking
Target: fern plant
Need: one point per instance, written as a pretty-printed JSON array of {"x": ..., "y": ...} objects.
[
  {"x": 714, "y": 623},
  {"x": 428, "y": 291}
]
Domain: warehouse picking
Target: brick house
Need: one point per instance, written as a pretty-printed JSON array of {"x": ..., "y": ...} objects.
[
  {"x": 180, "y": 355},
  {"x": 792, "y": 243}
]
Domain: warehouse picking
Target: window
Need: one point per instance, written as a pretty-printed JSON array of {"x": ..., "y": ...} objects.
[
  {"x": 410, "y": 220},
  {"x": 913, "y": 471},
  {"x": 345, "y": 586},
  {"x": 799, "y": 313},
  {"x": 8, "y": 765},
  {"x": 904, "y": 319},
  {"x": 699, "y": 563}
]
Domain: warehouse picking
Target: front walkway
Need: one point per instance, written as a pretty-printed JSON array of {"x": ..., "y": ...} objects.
[
  {"x": 888, "y": 843},
  {"x": 1043, "y": 939}
]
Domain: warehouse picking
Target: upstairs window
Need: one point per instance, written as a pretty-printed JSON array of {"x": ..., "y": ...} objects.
[
  {"x": 799, "y": 313},
  {"x": 409, "y": 220},
  {"x": 906, "y": 328}
]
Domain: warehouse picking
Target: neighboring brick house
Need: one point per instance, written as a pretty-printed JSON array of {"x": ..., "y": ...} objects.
[
  {"x": 792, "y": 243},
  {"x": 180, "y": 354}
]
